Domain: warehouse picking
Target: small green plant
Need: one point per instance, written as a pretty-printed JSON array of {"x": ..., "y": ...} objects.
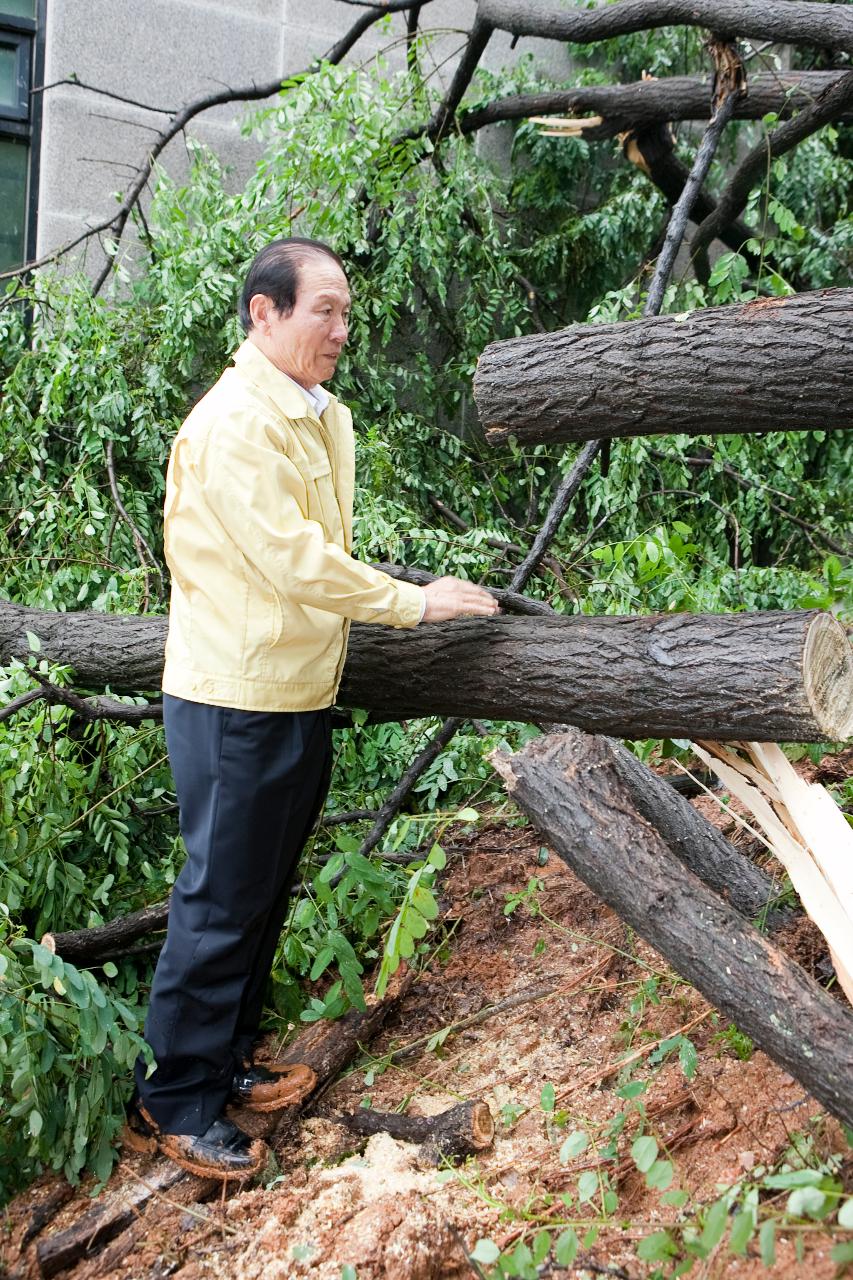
[{"x": 737, "y": 1042}]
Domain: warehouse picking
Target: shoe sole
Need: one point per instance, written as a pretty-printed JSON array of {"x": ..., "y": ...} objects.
[
  {"x": 258, "y": 1149},
  {"x": 304, "y": 1081},
  {"x": 150, "y": 1144}
]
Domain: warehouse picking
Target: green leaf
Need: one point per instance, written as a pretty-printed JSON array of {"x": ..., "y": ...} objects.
[
  {"x": 657, "y": 1247},
  {"x": 688, "y": 1058},
  {"x": 566, "y": 1248},
  {"x": 843, "y": 1253},
  {"x": 644, "y": 1152},
  {"x": 33, "y": 642},
  {"x": 349, "y": 1273},
  {"x": 587, "y": 1185},
  {"x": 467, "y": 815},
  {"x": 676, "y": 1198},
  {"x": 845, "y": 1215},
  {"x": 35, "y": 1123},
  {"x": 807, "y": 1202},
  {"x": 110, "y": 969},
  {"x": 659, "y": 1177},
  {"x": 714, "y": 1229},
  {"x": 541, "y": 1247},
  {"x": 794, "y": 1178},
  {"x": 547, "y": 1098},
  {"x": 742, "y": 1231},
  {"x": 437, "y": 857},
  {"x": 767, "y": 1242},
  {"x": 485, "y": 1251},
  {"x": 574, "y": 1145}
]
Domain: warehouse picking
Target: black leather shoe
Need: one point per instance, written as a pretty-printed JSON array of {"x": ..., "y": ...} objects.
[
  {"x": 262, "y": 1088},
  {"x": 223, "y": 1151}
]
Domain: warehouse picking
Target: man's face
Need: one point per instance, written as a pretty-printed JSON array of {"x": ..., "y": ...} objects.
[{"x": 306, "y": 344}]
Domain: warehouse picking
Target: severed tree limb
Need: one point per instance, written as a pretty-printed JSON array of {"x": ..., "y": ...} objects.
[
  {"x": 653, "y": 150},
  {"x": 569, "y": 789},
  {"x": 461, "y": 1131},
  {"x": 511, "y": 601},
  {"x": 835, "y": 100},
  {"x": 87, "y": 946},
  {"x": 556, "y": 512},
  {"x": 794, "y": 22},
  {"x": 648, "y": 104}
]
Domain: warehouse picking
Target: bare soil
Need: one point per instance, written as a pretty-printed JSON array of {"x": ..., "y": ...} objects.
[{"x": 379, "y": 1207}]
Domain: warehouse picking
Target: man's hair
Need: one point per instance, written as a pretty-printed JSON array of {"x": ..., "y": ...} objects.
[{"x": 275, "y": 272}]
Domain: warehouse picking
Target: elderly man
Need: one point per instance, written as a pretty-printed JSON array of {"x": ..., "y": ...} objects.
[{"x": 258, "y": 528}]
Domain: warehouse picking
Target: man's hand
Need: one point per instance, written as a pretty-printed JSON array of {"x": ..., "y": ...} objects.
[{"x": 452, "y": 598}]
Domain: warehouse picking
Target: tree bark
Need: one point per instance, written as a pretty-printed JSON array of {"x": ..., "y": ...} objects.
[
  {"x": 643, "y": 104},
  {"x": 794, "y": 22},
  {"x": 696, "y": 842},
  {"x": 568, "y": 787},
  {"x": 461, "y": 1131},
  {"x": 776, "y": 364},
  {"x": 768, "y": 677},
  {"x": 324, "y": 1046}
]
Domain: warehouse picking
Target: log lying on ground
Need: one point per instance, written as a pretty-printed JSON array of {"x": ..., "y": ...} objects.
[
  {"x": 324, "y": 1046},
  {"x": 567, "y": 785},
  {"x": 776, "y": 364},
  {"x": 697, "y": 843},
  {"x": 462, "y": 1131},
  {"x": 767, "y": 677}
]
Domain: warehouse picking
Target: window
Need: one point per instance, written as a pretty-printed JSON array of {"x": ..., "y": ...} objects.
[{"x": 21, "y": 64}]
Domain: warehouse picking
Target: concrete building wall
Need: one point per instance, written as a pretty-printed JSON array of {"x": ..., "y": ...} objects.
[{"x": 165, "y": 53}]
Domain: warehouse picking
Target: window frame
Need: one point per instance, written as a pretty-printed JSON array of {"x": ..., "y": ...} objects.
[{"x": 23, "y": 121}]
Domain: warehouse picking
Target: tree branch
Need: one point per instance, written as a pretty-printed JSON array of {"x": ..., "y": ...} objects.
[
  {"x": 114, "y": 225},
  {"x": 831, "y": 103},
  {"x": 644, "y": 103},
  {"x": 730, "y": 70},
  {"x": 794, "y": 22}
]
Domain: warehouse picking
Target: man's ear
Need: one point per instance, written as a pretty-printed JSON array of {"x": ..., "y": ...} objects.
[{"x": 260, "y": 310}]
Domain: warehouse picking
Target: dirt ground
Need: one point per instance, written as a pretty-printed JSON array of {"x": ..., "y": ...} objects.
[{"x": 590, "y": 993}]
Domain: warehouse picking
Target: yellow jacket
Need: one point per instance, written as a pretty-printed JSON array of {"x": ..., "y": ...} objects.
[{"x": 258, "y": 533}]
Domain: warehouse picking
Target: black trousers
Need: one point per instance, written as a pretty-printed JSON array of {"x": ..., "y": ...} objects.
[{"x": 250, "y": 786}]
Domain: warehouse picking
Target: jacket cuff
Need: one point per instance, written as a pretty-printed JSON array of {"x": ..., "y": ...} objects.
[{"x": 411, "y": 603}]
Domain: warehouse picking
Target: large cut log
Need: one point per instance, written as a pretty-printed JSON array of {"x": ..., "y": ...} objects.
[
  {"x": 326, "y": 1047},
  {"x": 568, "y": 787},
  {"x": 776, "y": 364},
  {"x": 761, "y": 676},
  {"x": 462, "y": 1131}
]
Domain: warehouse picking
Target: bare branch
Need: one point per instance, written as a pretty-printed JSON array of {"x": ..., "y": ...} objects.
[
  {"x": 139, "y": 541},
  {"x": 104, "y": 93},
  {"x": 23, "y": 700},
  {"x": 731, "y": 69},
  {"x": 794, "y": 22},
  {"x": 833, "y": 101},
  {"x": 98, "y": 708},
  {"x": 644, "y": 103},
  {"x": 114, "y": 225}
]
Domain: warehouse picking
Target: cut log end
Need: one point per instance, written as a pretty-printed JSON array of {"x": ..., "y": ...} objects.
[
  {"x": 482, "y": 1126},
  {"x": 828, "y": 677}
]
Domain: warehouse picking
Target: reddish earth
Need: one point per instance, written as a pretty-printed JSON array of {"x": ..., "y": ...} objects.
[{"x": 378, "y": 1207}]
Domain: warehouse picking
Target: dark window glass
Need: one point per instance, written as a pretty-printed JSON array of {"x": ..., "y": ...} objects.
[{"x": 14, "y": 154}]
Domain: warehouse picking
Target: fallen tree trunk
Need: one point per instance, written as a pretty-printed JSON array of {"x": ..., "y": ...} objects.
[
  {"x": 697, "y": 843},
  {"x": 768, "y": 677},
  {"x": 776, "y": 364},
  {"x": 326, "y": 1047},
  {"x": 461, "y": 1131},
  {"x": 568, "y": 787}
]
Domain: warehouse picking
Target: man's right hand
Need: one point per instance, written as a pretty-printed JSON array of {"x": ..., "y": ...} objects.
[{"x": 449, "y": 598}]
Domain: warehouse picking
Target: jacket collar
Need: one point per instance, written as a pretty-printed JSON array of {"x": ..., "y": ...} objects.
[{"x": 283, "y": 391}]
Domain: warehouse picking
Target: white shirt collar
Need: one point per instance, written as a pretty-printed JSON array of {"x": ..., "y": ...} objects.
[{"x": 317, "y": 397}]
